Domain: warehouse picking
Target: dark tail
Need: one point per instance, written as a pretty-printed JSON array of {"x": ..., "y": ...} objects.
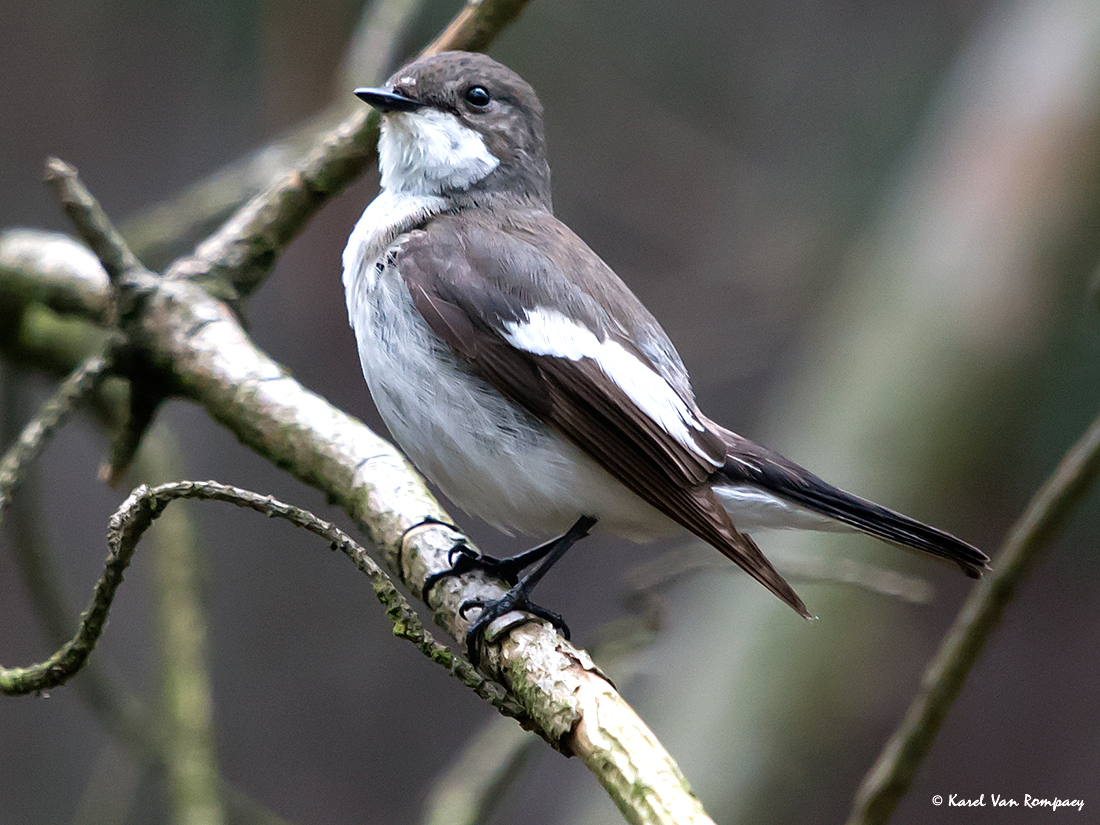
[{"x": 750, "y": 464}]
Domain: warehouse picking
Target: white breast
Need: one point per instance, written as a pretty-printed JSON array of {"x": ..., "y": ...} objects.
[{"x": 486, "y": 454}]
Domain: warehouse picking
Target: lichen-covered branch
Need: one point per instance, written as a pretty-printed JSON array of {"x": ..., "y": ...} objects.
[
  {"x": 50, "y": 417},
  {"x": 126, "y": 529},
  {"x": 116, "y": 707},
  {"x": 90, "y": 220}
]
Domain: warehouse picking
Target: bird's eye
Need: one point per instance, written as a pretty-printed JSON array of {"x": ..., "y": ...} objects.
[{"x": 478, "y": 97}]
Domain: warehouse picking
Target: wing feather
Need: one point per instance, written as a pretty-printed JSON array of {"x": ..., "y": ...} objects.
[{"x": 474, "y": 305}]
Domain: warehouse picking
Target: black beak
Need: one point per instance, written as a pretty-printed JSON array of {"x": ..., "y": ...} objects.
[{"x": 386, "y": 101}]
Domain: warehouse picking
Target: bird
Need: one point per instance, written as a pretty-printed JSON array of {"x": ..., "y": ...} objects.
[{"x": 520, "y": 374}]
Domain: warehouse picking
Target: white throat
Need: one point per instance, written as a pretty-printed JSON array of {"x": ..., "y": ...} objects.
[
  {"x": 428, "y": 152},
  {"x": 423, "y": 155}
]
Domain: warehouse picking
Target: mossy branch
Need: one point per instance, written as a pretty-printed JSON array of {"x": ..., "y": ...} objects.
[{"x": 146, "y": 504}]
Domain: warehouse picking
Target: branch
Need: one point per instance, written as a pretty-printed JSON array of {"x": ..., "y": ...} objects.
[
  {"x": 233, "y": 261},
  {"x": 890, "y": 777},
  {"x": 161, "y": 232},
  {"x": 36, "y": 434},
  {"x": 117, "y": 709},
  {"x": 137, "y": 514},
  {"x": 90, "y": 220},
  {"x": 131, "y": 282}
]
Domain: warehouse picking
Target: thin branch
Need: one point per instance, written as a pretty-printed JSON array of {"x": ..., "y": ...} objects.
[
  {"x": 54, "y": 412},
  {"x": 160, "y": 232},
  {"x": 131, "y": 282},
  {"x": 90, "y": 220},
  {"x": 233, "y": 261},
  {"x": 72, "y": 655},
  {"x": 117, "y": 709},
  {"x": 890, "y": 777},
  {"x": 145, "y": 505}
]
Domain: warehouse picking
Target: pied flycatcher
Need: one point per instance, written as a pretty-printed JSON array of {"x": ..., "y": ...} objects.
[{"x": 524, "y": 379}]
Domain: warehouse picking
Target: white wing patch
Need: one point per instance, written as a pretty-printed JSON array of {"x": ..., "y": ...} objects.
[
  {"x": 428, "y": 151},
  {"x": 549, "y": 332}
]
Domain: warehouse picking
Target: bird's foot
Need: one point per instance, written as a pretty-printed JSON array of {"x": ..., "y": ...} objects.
[
  {"x": 516, "y": 599},
  {"x": 462, "y": 559}
]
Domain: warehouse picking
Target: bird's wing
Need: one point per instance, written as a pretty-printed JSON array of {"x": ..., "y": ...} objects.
[{"x": 546, "y": 341}]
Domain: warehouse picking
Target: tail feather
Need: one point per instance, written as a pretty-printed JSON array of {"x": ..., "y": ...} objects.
[{"x": 755, "y": 466}]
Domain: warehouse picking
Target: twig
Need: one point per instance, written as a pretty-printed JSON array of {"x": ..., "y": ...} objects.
[
  {"x": 90, "y": 220},
  {"x": 35, "y": 435},
  {"x": 890, "y": 777},
  {"x": 137, "y": 514},
  {"x": 116, "y": 707},
  {"x": 233, "y": 261},
  {"x": 167, "y": 229},
  {"x": 131, "y": 282}
]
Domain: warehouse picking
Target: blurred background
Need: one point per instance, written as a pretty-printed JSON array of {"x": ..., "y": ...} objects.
[{"x": 870, "y": 228}]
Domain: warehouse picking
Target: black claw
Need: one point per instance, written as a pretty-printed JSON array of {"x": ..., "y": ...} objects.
[
  {"x": 463, "y": 559},
  {"x": 431, "y": 580},
  {"x": 514, "y": 599},
  {"x": 507, "y": 570},
  {"x": 425, "y": 521},
  {"x": 465, "y": 607},
  {"x": 467, "y": 560}
]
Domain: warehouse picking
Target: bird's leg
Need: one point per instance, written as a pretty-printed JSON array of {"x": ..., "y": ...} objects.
[
  {"x": 518, "y": 597},
  {"x": 462, "y": 560}
]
